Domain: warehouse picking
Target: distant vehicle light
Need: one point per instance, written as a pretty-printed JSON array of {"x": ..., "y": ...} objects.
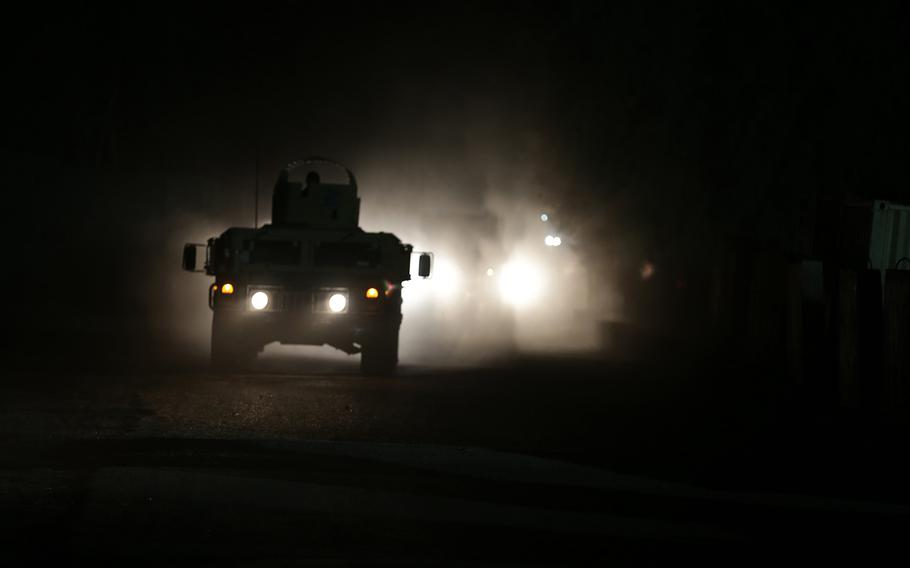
[
  {"x": 259, "y": 300},
  {"x": 520, "y": 283},
  {"x": 227, "y": 289},
  {"x": 552, "y": 241},
  {"x": 544, "y": 217},
  {"x": 337, "y": 303},
  {"x": 372, "y": 293}
]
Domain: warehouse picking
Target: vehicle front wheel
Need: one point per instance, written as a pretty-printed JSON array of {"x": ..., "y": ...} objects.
[
  {"x": 379, "y": 354},
  {"x": 232, "y": 351}
]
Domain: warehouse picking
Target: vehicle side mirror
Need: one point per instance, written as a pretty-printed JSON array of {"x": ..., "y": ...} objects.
[
  {"x": 189, "y": 258},
  {"x": 424, "y": 265}
]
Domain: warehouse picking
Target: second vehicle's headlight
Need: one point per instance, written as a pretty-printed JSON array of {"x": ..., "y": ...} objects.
[
  {"x": 259, "y": 300},
  {"x": 337, "y": 303},
  {"x": 520, "y": 283}
]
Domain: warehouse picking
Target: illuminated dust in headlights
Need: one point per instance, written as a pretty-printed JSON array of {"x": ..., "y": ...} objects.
[
  {"x": 337, "y": 303},
  {"x": 446, "y": 279},
  {"x": 259, "y": 300}
]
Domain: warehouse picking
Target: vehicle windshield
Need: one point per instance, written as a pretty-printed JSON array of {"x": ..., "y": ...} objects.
[
  {"x": 275, "y": 252},
  {"x": 347, "y": 255}
]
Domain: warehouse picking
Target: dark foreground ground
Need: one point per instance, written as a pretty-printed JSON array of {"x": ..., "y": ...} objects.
[{"x": 535, "y": 460}]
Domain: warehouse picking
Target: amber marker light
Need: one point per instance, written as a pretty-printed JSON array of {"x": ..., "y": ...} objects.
[
  {"x": 372, "y": 293},
  {"x": 227, "y": 289}
]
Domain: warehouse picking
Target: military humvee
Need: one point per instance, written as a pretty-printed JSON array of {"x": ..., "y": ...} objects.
[{"x": 311, "y": 277}]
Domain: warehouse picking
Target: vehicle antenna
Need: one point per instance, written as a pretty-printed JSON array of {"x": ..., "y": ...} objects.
[{"x": 256, "y": 190}]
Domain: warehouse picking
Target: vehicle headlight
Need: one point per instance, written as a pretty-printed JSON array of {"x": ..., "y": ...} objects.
[
  {"x": 337, "y": 303},
  {"x": 259, "y": 300}
]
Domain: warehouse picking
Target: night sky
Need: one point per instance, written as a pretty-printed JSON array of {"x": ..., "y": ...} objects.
[{"x": 680, "y": 124}]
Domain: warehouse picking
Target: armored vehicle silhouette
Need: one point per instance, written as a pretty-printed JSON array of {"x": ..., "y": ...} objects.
[{"x": 311, "y": 277}]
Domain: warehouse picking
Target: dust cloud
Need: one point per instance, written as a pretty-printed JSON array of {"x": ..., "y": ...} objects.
[{"x": 497, "y": 288}]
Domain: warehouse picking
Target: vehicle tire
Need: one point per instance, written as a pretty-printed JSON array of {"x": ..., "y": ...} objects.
[
  {"x": 379, "y": 355},
  {"x": 232, "y": 351}
]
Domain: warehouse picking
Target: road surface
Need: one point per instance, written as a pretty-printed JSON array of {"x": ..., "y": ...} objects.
[{"x": 533, "y": 460}]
